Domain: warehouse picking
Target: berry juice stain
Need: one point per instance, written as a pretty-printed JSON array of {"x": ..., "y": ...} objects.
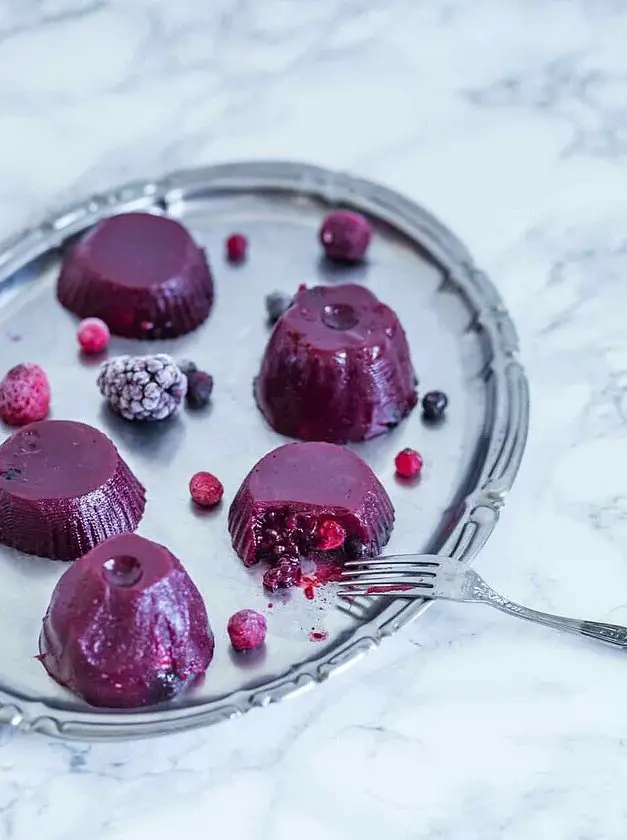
[
  {"x": 325, "y": 571},
  {"x": 318, "y": 635}
]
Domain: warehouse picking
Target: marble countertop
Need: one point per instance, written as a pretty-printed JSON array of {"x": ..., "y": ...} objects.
[{"x": 508, "y": 119}]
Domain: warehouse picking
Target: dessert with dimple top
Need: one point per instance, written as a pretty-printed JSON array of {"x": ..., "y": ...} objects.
[
  {"x": 142, "y": 274},
  {"x": 337, "y": 367},
  {"x": 63, "y": 489},
  {"x": 126, "y": 626},
  {"x": 308, "y": 498}
]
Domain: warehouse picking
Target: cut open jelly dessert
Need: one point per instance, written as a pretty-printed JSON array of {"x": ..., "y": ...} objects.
[
  {"x": 63, "y": 489},
  {"x": 126, "y": 626},
  {"x": 337, "y": 367},
  {"x": 142, "y": 274},
  {"x": 307, "y": 498}
]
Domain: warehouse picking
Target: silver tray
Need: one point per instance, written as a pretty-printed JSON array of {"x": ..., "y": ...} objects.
[{"x": 462, "y": 341}]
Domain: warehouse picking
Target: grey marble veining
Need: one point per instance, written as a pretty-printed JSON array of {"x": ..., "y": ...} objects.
[{"x": 508, "y": 118}]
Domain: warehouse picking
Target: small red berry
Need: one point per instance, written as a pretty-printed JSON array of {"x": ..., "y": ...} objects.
[
  {"x": 408, "y": 463},
  {"x": 330, "y": 534},
  {"x": 206, "y": 489},
  {"x": 236, "y": 248},
  {"x": 247, "y": 629},
  {"x": 24, "y": 395},
  {"x": 93, "y": 335}
]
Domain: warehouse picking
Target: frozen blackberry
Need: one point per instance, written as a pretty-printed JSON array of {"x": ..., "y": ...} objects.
[
  {"x": 143, "y": 387},
  {"x": 199, "y": 388},
  {"x": 186, "y": 366},
  {"x": 434, "y": 405},
  {"x": 276, "y": 304}
]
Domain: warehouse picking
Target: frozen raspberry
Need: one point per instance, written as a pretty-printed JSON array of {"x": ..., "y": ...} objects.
[
  {"x": 330, "y": 534},
  {"x": 93, "y": 335},
  {"x": 24, "y": 395},
  {"x": 206, "y": 490},
  {"x": 199, "y": 388},
  {"x": 142, "y": 387},
  {"x": 408, "y": 463},
  {"x": 286, "y": 573},
  {"x": 247, "y": 629},
  {"x": 236, "y": 248},
  {"x": 434, "y": 405},
  {"x": 345, "y": 236},
  {"x": 276, "y": 304}
]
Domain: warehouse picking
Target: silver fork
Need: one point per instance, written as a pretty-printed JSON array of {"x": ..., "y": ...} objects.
[{"x": 432, "y": 576}]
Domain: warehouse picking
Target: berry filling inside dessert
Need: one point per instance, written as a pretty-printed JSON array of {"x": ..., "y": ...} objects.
[
  {"x": 283, "y": 537},
  {"x": 308, "y": 500}
]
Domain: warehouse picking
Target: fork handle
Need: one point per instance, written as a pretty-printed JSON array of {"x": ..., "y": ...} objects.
[{"x": 611, "y": 634}]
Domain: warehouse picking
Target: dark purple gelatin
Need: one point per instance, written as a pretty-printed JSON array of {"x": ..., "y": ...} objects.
[
  {"x": 126, "y": 626},
  {"x": 336, "y": 368},
  {"x": 275, "y": 515},
  {"x": 63, "y": 489},
  {"x": 142, "y": 274}
]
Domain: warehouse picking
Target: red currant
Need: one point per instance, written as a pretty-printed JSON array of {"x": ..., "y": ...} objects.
[
  {"x": 408, "y": 463},
  {"x": 236, "y": 248}
]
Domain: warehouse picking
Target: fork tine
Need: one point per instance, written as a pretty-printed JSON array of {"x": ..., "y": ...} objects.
[
  {"x": 385, "y": 580},
  {"x": 356, "y": 574},
  {"x": 396, "y": 562},
  {"x": 357, "y": 590}
]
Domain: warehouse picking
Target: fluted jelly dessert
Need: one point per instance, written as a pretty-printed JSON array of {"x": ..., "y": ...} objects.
[
  {"x": 63, "y": 489},
  {"x": 337, "y": 367},
  {"x": 142, "y": 274},
  {"x": 307, "y": 498},
  {"x": 126, "y": 626}
]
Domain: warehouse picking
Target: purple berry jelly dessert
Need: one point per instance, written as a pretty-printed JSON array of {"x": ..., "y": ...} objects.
[
  {"x": 126, "y": 626},
  {"x": 336, "y": 368},
  {"x": 63, "y": 489},
  {"x": 297, "y": 500},
  {"x": 143, "y": 275}
]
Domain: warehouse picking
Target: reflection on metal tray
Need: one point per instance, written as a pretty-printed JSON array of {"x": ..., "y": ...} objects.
[{"x": 462, "y": 342}]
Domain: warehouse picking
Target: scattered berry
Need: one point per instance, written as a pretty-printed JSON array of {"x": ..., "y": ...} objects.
[
  {"x": 24, "y": 395},
  {"x": 434, "y": 405},
  {"x": 236, "y": 248},
  {"x": 345, "y": 236},
  {"x": 247, "y": 629},
  {"x": 276, "y": 304},
  {"x": 286, "y": 573},
  {"x": 142, "y": 387},
  {"x": 330, "y": 534},
  {"x": 199, "y": 388},
  {"x": 408, "y": 463},
  {"x": 206, "y": 490},
  {"x": 186, "y": 366},
  {"x": 93, "y": 335}
]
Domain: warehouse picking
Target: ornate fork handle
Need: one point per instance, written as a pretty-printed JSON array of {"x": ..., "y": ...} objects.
[{"x": 612, "y": 634}]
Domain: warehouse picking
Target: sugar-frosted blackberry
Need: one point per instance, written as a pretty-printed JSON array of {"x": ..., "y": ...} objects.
[{"x": 143, "y": 387}]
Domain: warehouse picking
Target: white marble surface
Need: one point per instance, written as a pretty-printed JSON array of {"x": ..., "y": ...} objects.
[{"x": 508, "y": 118}]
